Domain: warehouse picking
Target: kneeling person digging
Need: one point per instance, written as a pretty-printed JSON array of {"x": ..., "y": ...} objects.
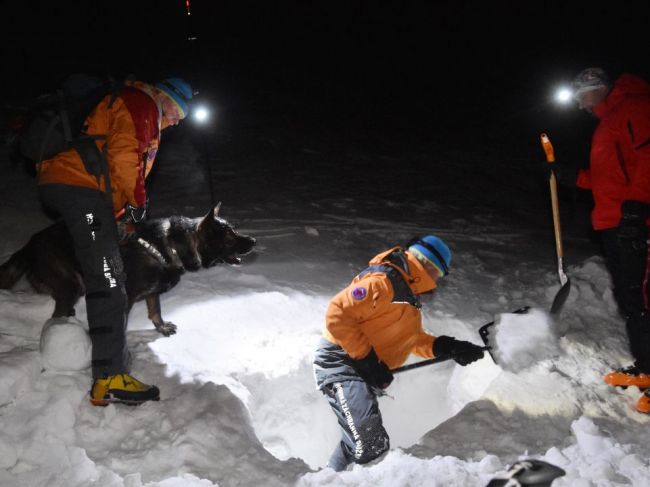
[{"x": 372, "y": 326}]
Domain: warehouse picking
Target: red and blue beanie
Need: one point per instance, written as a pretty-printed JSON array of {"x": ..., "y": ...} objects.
[
  {"x": 179, "y": 91},
  {"x": 433, "y": 250}
]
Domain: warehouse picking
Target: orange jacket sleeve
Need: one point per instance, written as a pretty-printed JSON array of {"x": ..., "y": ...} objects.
[
  {"x": 352, "y": 306},
  {"x": 424, "y": 345}
]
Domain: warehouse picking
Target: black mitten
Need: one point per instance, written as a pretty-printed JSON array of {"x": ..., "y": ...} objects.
[
  {"x": 462, "y": 352},
  {"x": 374, "y": 371}
]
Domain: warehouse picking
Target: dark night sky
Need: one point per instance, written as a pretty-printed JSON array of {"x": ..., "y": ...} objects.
[{"x": 437, "y": 65}]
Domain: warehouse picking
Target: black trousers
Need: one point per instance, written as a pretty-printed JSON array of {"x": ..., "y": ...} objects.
[
  {"x": 629, "y": 266},
  {"x": 363, "y": 437},
  {"x": 88, "y": 215}
]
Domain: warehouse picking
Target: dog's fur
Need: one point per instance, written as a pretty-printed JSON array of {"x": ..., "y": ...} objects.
[{"x": 155, "y": 257}]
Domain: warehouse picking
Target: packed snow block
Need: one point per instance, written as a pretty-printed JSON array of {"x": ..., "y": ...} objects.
[
  {"x": 18, "y": 372},
  {"x": 520, "y": 340},
  {"x": 65, "y": 345}
]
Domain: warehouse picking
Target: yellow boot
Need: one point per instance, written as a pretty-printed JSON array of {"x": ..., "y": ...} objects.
[{"x": 122, "y": 388}]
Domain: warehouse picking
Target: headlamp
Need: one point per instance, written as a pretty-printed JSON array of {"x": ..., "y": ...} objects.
[
  {"x": 200, "y": 114},
  {"x": 563, "y": 95}
]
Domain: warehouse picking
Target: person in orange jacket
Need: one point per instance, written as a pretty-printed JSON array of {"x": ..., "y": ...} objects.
[
  {"x": 87, "y": 186},
  {"x": 619, "y": 178},
  {"x": 372, "y": 326}
]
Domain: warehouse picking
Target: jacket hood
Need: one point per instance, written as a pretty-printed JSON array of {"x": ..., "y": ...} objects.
[
  {"x": 625, "y": 85},
  {"x": 417, "y": 277}
]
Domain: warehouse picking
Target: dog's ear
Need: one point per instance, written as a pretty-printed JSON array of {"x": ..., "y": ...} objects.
[
  {"x": 209, "y": 217},
  {"x": 213, "y": 213},
  {"x": 215, "y": 210}
]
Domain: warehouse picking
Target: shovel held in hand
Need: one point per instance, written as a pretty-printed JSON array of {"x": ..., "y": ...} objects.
[
  {"x": 484, "y": 333},
  {"x": 565, "y": 282},
  {"x": 429, "y": 361}
]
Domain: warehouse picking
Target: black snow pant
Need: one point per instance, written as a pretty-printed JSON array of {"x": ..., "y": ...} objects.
[
  {"x": 629, "y": 266},
  {"x": 363, "y": 437},
  {"x": 88, "y": 216}
]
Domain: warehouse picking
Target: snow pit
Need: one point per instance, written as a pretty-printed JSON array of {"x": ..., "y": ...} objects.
[{"x": 260, "y": 345}]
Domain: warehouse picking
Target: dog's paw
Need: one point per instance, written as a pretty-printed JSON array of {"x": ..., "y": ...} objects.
[{"x": 167, "y": 328}]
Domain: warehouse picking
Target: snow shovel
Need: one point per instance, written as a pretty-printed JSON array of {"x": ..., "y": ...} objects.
[
  {"x": 483, "y": 332},
  {"x": 565, "y": 282},
  {"x": 422, "y": 363}
]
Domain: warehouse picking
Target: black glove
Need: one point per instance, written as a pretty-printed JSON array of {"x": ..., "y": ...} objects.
[
  {"x": 632, "y": 231},
  {"x": 462, "y": 352},
  {"x": 375, "y": 372}
]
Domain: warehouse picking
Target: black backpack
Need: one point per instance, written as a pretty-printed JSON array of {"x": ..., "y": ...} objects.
[{"x": 55, "y": 121}]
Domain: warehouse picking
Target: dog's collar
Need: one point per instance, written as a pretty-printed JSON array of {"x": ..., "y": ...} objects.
[{"x": 152, "y": 250}]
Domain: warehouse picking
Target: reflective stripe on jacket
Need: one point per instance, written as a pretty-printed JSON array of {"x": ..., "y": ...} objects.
[
  {"x": 131, "y": 123},
  {"x": 619, "y": 167}
]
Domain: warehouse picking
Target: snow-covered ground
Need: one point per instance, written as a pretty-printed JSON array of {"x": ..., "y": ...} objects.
[{"x": 238, "y": 404}]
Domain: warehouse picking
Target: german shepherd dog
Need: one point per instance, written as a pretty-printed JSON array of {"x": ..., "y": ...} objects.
[{"x": 155, "y": 257}]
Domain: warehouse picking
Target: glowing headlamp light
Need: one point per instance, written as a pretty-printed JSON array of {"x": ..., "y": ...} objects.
[
  {"x": 201, "y": 114},
  {"x": 563, "y": 95}
]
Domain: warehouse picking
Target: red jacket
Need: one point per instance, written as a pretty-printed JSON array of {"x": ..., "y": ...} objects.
[{"x": 619, "y": 167}]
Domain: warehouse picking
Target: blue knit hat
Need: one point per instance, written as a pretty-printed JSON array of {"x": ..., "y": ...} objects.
[
  {"x": 179, "y": 91},
  {"x": 433, "y": 250}
]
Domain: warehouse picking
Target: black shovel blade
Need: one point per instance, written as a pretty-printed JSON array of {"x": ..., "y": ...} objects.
[
  {"x": 484, "y": 331},
  {"x": 560, "y": 298}
]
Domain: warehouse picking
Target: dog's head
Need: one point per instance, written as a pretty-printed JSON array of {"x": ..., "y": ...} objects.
[{"x": 219, "y": 242}]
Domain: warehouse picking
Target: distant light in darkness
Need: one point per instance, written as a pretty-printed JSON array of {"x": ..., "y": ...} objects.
[{"x": 187, "y": 7}]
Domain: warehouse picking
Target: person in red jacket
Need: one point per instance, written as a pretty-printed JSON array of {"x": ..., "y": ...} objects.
[
  {"x": 619, "y": 178},
  {"x": 87, "y": 186},
  {"x": 372, "y": 326}
]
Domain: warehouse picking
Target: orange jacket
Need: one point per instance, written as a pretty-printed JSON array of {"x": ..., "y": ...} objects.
[
  {"x": 363, "y": 316},
  {"x": 131, "y": 123}
]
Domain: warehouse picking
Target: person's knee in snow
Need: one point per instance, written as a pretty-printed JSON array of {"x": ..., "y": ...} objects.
[
  {"x": 373, "y": 441},
  {"x": 371, "y": 444}
]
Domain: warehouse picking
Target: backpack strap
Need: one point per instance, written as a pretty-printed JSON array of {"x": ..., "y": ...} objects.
[
  {"x": 65, "y": 120},
  {"x": 95, "y": 160},
  {"x": 402, "y": 292}
]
